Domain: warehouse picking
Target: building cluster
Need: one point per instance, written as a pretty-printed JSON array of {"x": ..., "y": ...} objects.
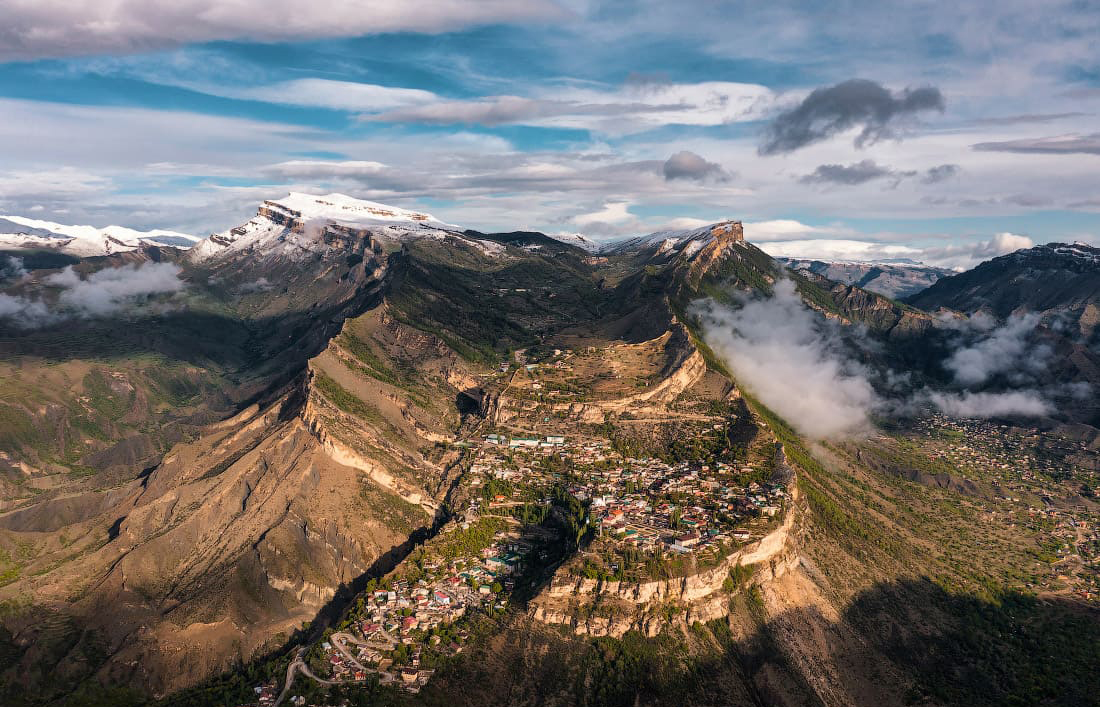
[
  {"x": 1036, "y": 474},
  {"x": 400, "y": 620},
  {"x": 641, "y": 502},
  {"x": 646, "y": 503}
]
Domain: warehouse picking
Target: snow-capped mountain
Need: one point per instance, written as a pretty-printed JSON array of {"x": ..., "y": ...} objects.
[
  {"x": 580, "y": 240},
  {"x": 300, "y": 223},
  {"x": 688, "y": 241},
  {"x": 21, "y": 233}
]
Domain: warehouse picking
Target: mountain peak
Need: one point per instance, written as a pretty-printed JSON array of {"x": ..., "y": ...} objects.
[
  {"x": 296, "y": 224},
  {"x": 688, "y": 241},
  {"x": 343, "y": 209}
]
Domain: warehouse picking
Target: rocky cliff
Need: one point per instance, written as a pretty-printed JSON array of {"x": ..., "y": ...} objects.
[{"x": 611, "y": 608}]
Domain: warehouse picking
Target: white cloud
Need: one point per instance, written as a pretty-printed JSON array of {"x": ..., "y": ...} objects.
[
  {"x": 110, "y": 289},
  {"x": 998, "y": 350},
  {"x": 41, "y": 28},
  {"x": 62, "y": 183},
  {"x": 967, "y": 255},
  {"x": 631, "y": 108},
  {"x": 1028, "y": 403},
  {"x": 23, "y": 312},
  {"x": 324, "y": 169},
  {"x": 958, "y": 256},
  {"x": 777, "y": 347},
  {"x": 785, "y": 229},
  {"x": 839, "y": 249},
  {"x": 326, "y": 93},
  {"x": 612, "y": 212}
]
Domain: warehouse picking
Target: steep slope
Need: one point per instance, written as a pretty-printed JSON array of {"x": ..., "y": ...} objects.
[
  {"x": 374, "y": 377},
  {"x": 1059, "y": 284},
  {"x": 342, "y": 357},
  {"x": 1057, "y": 280}
]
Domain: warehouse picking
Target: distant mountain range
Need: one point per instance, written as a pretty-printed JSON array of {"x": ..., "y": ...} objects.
[
  {"x": 893, "y": 279},
  {"x": 27, "y": 234}
]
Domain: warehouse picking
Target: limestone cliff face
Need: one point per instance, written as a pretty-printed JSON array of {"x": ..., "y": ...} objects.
[
  {"x": 723, "y": 237},
  {"x": 578, "y": 602},
  {"x": 345, "y": 455}
]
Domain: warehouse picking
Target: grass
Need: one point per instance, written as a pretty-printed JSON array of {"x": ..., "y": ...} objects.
[{"x": 347, "y": 401}]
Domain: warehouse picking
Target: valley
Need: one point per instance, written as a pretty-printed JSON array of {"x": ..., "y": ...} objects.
[{"x": 361, "y": 456}]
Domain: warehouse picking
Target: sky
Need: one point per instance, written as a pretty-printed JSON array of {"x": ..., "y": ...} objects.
[{"x": 850, "y": 129}]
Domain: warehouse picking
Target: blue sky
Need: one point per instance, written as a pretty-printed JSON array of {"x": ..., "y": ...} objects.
[{"x": 857, "y": 129}]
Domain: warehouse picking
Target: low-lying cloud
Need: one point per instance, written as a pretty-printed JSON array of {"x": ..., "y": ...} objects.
[
  {"x": 854, "y": 103},
  {"x": 1008, "y": 350},
  {"x": 11, "y": 268},
  {"x": 788, "y": 357},
  {"x": 100, "y": 293},
  {"x": 799, "y": 364},
  {"x": 110, "y": 289}
]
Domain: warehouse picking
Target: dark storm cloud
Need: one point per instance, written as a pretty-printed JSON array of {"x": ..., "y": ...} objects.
[
  {"x": 856, "y": 102},
  {"x": 688, "y": 165}
]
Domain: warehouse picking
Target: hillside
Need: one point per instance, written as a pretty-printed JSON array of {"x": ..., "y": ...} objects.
[
  {"x": 1058, "y": 285},
  {"x": 356, "y": 453}
]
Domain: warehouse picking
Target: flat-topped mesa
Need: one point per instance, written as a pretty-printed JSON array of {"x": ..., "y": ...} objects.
[
  {"x": 303, "y": 223},
  {"x": 297, "y": 210}
]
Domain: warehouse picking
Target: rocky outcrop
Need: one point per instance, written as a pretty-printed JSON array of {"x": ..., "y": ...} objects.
[
  {"x": 611, "y": 608},
  {"x": 342, "y": 454}
]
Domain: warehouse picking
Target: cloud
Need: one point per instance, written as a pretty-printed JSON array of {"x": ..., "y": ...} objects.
[
  {"x": 11, "y": 267},
  {"x": 941, "y": 173},
  {"x": 1027, "y": 403},
  {"x": 784, "y": 229},
  {"x": 111, "y": 289},
  {"x": 858, "y": 173},
  {"x": 803, "y": 366},
  {"x": 327, "y": 93},
  {"x": 630, "y": 108},
  {"x": 23, "y": 312},
  {"x": 841, "y": 249},
  {"x": 259, "y": 285},
  {"x": 63, "y": 184},
  {"x": 868, "y": 170},
  {"x": 782, "y": 239},
  {"x": 505, "y": 110},
  {"x": 1058, "y": 145},
  {"x": 612, "y": 212},
  {"x": 785, "y": 354},
  {"x": 853, "y": 103},
  {"x": 1028, "y": 118},
  {"x": 324, "y": 169},
  {"x": 967, "y": 255},
  {"x": 50, "y": 28},
  {"x": 688, "y": 165},
  {"x": 1006, "y": 350}
]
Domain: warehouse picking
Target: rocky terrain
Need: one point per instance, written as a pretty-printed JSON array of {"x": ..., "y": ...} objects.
[{"x": 198, "y": 490}]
